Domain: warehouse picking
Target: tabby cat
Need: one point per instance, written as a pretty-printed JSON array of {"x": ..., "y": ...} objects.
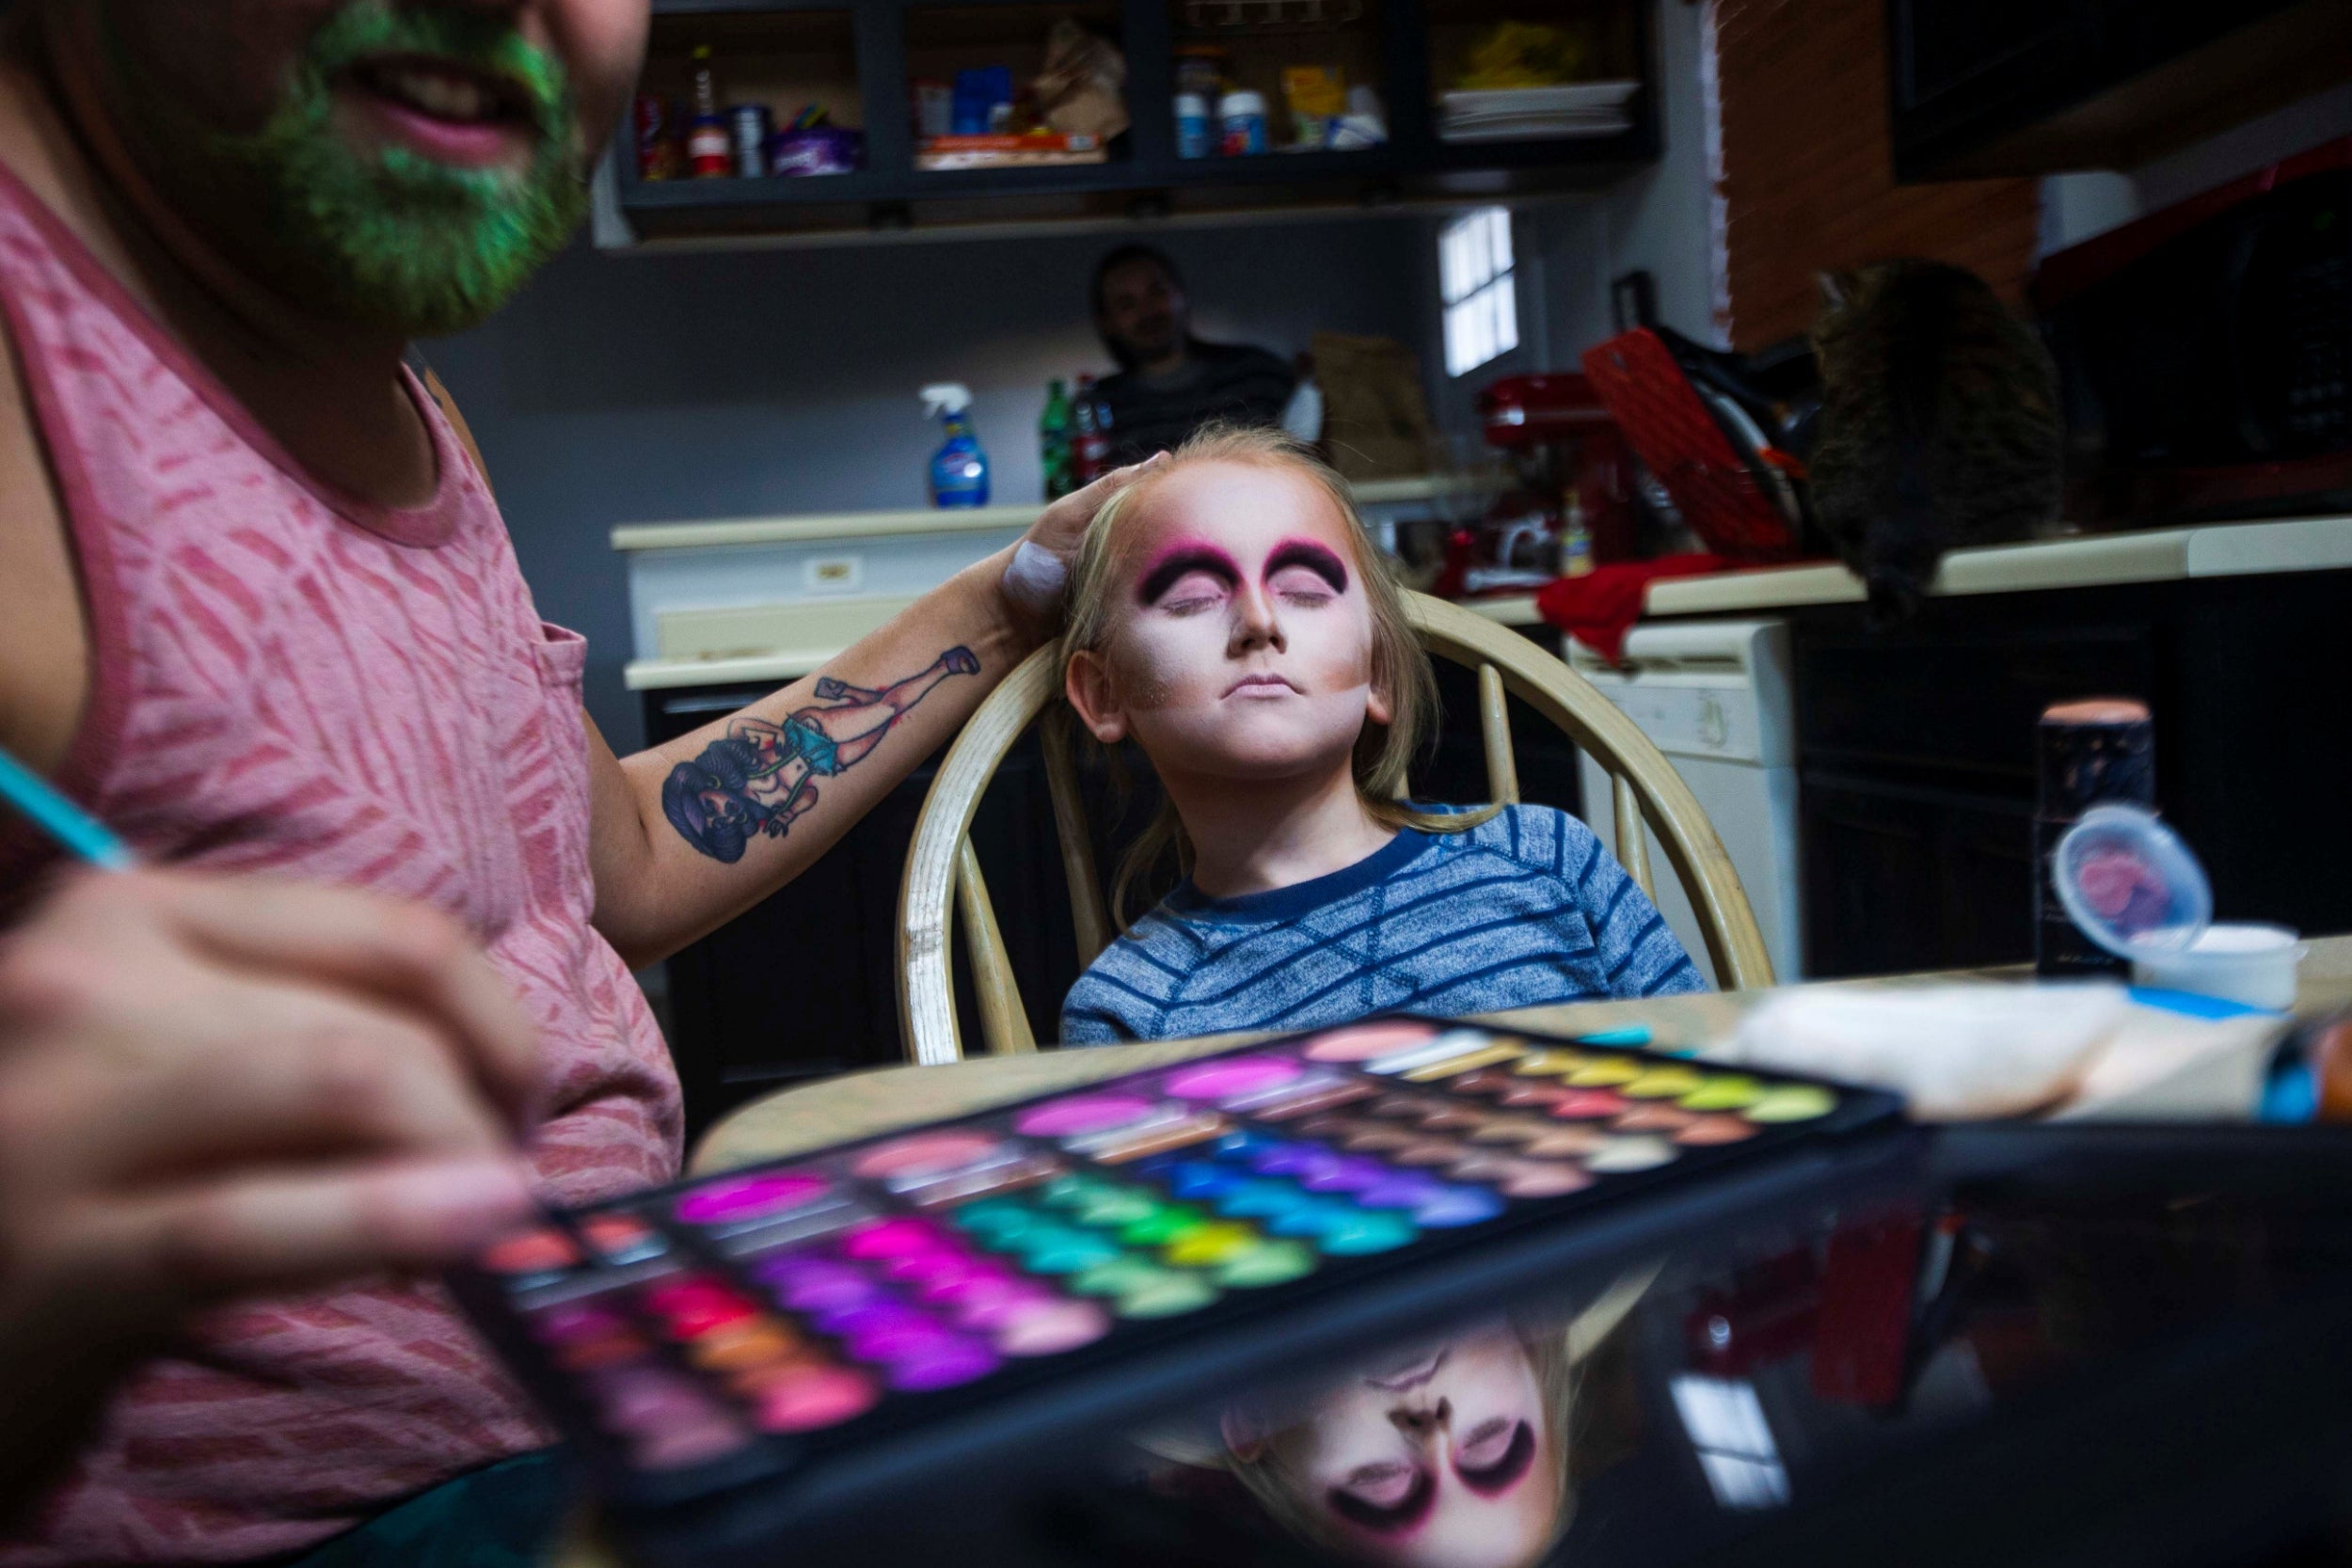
[{"x": 1939, "y": 425}]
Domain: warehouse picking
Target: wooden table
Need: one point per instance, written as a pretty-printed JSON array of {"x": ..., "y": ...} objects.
[{"x": 878, "y": 1099}]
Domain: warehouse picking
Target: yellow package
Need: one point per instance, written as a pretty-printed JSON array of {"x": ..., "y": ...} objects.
[
  {"x": 1525, "y": 54},
  {"x": 1314, "y": 95}
]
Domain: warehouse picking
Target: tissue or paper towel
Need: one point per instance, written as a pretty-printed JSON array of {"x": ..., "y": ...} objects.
[{"x": 1953, "y": 1052}]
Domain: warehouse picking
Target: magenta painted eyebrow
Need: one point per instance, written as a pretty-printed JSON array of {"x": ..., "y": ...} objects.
[
  {"x": 1315, "y": 557},
  {"x": 1186, "y": 555}
]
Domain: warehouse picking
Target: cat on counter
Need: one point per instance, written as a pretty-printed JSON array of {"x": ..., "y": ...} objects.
[{"x": 1939, "y": 425}]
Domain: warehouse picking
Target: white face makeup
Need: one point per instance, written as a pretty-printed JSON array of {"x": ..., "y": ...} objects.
[
  {"x": 1440, "y": 1457},
  {"x": 1241, "y": 639}
]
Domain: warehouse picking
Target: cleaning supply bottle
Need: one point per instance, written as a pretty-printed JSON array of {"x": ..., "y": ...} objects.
[{"x": 959, "y": 467}]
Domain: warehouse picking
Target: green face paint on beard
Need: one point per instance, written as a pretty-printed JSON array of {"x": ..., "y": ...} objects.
[{"x": 386, "y": 237}]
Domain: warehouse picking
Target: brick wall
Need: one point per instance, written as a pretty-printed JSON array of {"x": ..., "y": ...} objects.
[{"x": 1808, "y": 176}]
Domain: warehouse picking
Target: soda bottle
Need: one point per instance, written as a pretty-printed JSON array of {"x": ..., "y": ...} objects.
[
  {"x": 709, "y": 151},
  {"x": 1092, "y": 426},
  {"x": 705, "y": 84},
  {"x": 1053, "y": 439}
]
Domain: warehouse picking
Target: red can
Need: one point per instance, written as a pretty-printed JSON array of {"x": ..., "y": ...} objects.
[
  {"x": 709, "y": 148},
  {"x": 657, "y": 138}
]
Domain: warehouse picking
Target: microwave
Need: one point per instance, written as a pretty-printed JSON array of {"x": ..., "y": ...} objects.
[{"x": 2205, "y": 351}]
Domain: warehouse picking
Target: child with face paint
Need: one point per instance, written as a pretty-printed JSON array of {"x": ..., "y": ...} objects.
[{"x": 1230, "y": 614}]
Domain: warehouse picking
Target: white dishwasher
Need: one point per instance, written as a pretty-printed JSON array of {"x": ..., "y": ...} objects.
[{"x": 1713, "y": 695}]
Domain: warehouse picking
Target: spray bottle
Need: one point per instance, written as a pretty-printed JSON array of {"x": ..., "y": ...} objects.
[{"x": 959, "y": 467}]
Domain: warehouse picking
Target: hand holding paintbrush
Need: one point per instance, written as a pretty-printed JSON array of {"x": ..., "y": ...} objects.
[{"x": 213, "y": 1088}]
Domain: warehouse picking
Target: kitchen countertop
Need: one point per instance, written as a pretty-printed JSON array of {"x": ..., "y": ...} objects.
[
  {"x": 804, "y": 527},
  {"x": 790, "y": 664},
  {"x": 2097, "y": 561},
  {"x": 727, "y": 601},
  {"x": 2162, "y": 555}
]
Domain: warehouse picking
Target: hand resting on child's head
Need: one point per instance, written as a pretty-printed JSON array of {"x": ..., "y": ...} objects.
[{"x": 1230, "y": 616}]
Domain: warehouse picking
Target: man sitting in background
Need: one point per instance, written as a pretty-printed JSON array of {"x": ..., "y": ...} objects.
[{"x": 1170, "y": 383}]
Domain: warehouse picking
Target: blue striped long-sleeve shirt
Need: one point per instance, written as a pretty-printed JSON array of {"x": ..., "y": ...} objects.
[{"x": 1522, "y": 909}]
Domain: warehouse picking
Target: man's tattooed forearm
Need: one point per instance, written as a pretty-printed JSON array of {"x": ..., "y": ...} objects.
[{"x": 759, "y": 776}]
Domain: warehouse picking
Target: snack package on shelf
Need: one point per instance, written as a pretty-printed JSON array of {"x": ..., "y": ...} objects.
[
  {"x": 1038, "y": 150},
  {"x": 1525, "y": 54},
  {"x": 1076, "y": 104},
  {"x": 1081, "y": 89},
  {"x": 1316, "y": 96}
]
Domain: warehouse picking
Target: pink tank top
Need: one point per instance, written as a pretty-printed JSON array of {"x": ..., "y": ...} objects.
[{"x": 291, "y": 682}]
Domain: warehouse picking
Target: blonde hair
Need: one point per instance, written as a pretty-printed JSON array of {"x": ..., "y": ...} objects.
[{"x": 1400, "y": 666}]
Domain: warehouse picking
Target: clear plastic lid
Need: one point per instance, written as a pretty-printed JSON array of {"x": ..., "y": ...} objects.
[{"x": 2130, "y": 884}]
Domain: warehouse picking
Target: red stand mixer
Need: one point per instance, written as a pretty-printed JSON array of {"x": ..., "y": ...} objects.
[{"x": 1569, "y": 466}]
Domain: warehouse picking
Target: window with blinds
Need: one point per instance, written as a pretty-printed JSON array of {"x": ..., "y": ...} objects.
[{"x": 1474, "y": 279}]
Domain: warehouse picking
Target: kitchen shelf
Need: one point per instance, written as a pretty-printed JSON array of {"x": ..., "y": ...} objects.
[{"x": 889, "y": 41}]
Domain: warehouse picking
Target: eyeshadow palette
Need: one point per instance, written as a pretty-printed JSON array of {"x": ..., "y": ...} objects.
[{"x": 738, "y": 1327}]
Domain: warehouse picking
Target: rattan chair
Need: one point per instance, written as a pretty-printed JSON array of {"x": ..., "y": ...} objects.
[{"x": 942, "y": 875}]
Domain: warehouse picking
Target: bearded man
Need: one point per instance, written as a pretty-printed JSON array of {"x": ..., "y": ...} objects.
[{"x": 258, "y": 612}]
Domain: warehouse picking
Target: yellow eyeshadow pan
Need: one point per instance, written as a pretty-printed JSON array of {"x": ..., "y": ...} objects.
[
  {"x": 1551, "y": 1063},
  {"x": 1490, "y": 1057},
  {"x": 1663, "y": 1083},
  {"x": 1789, "y": 1102},
  {"x": 1728, "y": 1092}
]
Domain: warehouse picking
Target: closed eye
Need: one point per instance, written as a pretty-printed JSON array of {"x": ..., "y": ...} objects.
[
  {"x": 1194, "y": 590},
  {"x": 1295, "y": 557},
  {"x": 1301, "y": 585},
  {"x": 1188, "y": 569},
  {"x": 1392, "y": 1502},
  {"x": 1494, "y": 1455}
]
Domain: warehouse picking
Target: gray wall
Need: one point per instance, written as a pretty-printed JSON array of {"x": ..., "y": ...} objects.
[
  {"x": 1658, "y": 220},
  {"x": 2076, "y": 207},
  {"x": 652, "y": 388}
]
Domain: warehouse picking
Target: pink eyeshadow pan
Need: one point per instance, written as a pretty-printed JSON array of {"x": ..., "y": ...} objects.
[
  {"x": 804, "y": 1400},
  {"x": 747, "y": 1196},
  {"x": 1230, "y": 1076},
  {"x": 1367, "y": 1040},
  {"x": 900, "y": 1238},
  {"x": 926, "y": 1271},
  {"x": 692, "y": 1441},
  {"x": 989, "y": 1304},
  {"x": 1653, "y": 1119},
  {"x": 531, "y": 1252},
  {"x": 1082, "y": 1113},
  {"x": 1587, "y": 1105},
  {"x": 1545, "y": 1179},
  {"x": 922, "y": 1154},
  {"x": 1050, "y": 1327}
]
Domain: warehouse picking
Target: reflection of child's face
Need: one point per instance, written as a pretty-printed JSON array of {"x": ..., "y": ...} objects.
[
  {"x": 1240, "y": 639},
  {"x": 1442, "y": 1459}
]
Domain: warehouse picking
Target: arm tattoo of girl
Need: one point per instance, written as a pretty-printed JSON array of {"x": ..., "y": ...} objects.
[{"x": 758, "y": 776}]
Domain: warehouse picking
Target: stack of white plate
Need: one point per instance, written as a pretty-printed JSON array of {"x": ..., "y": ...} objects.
[{"x": 1532, "y": 114}]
